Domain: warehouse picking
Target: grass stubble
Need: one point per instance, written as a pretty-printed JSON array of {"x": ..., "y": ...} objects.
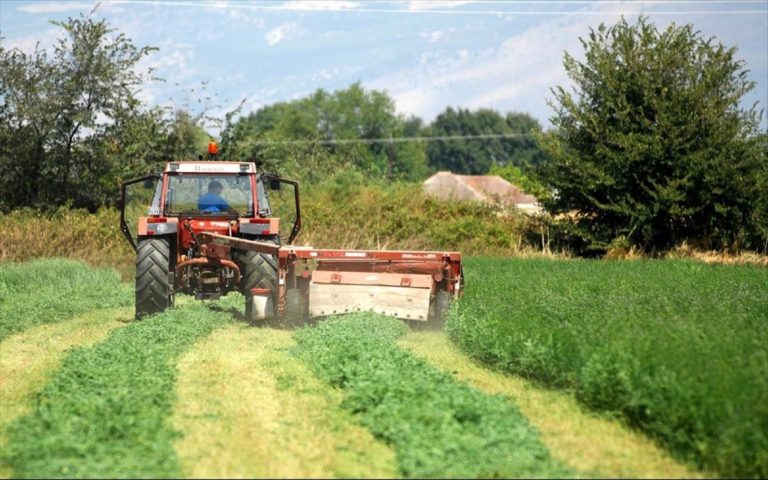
[
  {"x": 438, "y": 427},
  {"x": 246, "y": 408},
  {"x": 106, "y": 411},
  {"x": 589, "y": 443},
  {"x": 28, "y": 359}
]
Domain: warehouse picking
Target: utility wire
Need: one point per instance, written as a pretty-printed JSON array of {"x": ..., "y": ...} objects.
[
  {"x": 393, "y": 139},
  {"x": 434, "y": 11}
]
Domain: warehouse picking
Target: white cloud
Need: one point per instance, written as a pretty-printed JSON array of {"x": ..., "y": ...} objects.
[
  {"x": 319, "y": 5},
  {"x": 515, "y": 75},
  {"x": 421, "y": 5},
  {"x": 432, "y": 37},
  {"x": 55, "y": 7},
  {"x": 286, "y": 31}
]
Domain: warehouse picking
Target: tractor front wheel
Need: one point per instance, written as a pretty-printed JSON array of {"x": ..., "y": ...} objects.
[{"x": 154, "y": 292}]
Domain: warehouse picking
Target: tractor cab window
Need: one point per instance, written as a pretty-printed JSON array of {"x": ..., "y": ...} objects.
[{"x": 201, "y": 194}]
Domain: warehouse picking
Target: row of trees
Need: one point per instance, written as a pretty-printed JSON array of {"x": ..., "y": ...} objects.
[
  {"x": 360, "y": 129},
  {"x": 72, "y": 128},
  {"x": 650, "y": 148}
]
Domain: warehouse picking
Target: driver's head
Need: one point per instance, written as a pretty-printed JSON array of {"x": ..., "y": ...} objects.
[{"x": 215, "y": 187}]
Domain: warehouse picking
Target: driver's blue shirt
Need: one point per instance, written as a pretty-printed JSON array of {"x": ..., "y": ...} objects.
[{"x": 212, "y": 203}]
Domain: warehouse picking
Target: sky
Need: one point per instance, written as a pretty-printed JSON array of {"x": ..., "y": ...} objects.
[{"x": 428, "y": 55}]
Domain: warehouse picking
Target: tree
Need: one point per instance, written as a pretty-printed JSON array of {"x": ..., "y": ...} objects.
[
  {"x": 651, "y": 147},
  {"x": 500, "y": 140},
  {"x": 57, "y": 111},
  {"x": 312, "y": 137}
]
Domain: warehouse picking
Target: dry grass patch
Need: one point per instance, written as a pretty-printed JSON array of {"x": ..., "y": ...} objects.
[
  {"x": 246, "y": 408},
  {"x": 586, "y": 442},
  {"x": 28, "y": 358}
]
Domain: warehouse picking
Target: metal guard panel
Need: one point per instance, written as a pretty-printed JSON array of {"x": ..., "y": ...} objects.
[
  {"x": 369, "y": 278},
  {"x": 400, "y": 302}
]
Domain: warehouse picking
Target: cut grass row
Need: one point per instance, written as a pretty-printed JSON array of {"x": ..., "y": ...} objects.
[
  {"x": 28, "y": 358},
  {"x": 246, "y": 408},
  {"x": 678, "y": 349},
  {"x": 51, "y": 290},
  {"x": 437, "y": 426},
  {"x": 590, "y": 444},
  {"x": 106, "y": 411}
]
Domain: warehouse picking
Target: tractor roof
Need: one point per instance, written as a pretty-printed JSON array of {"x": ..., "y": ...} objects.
[{"x": 211, "y": 167}]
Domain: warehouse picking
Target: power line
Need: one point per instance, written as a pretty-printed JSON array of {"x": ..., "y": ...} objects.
[
  {"x": 392, "y": 139},
  {"x": 435, "y": 11}
]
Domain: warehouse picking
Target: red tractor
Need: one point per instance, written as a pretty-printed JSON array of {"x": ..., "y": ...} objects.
[{"x": 209, "y": 230}]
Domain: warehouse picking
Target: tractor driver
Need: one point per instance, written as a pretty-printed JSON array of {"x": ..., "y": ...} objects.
[{"x": 212, "y": 201}]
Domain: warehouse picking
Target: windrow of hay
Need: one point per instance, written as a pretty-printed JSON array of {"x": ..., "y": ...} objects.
[
  {"x": 27, "y": 360},
  {"x": 248, "y": 409},
  {"x": 438, "y": 426},
  {"x": 590, "y": 444},
  {"x": 106, "y": 411}
]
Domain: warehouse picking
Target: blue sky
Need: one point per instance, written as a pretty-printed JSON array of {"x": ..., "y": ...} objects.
[{"x": 504, "y": 55}]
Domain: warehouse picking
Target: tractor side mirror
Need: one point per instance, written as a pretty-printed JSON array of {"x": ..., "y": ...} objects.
[
  {"x": 149, "y": 183},
  {"x": 274, "y": 183}
]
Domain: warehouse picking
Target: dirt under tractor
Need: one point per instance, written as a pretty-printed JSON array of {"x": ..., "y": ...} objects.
[{"x": 209, "y": 230}]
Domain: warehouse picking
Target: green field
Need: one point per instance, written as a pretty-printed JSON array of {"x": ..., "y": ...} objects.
[{"x": 676, "y": 348}]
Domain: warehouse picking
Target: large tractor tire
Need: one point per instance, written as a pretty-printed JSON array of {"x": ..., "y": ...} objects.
[
  {"x": 258, "y": 270},
  {"x": 154, "y": 293}
]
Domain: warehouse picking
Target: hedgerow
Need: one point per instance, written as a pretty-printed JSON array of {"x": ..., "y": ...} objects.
[
  {"x": 106, "y": 411},
  {"x": 50, "y": 290},
  {"x": 438, "y": 427},
  {"x": 679, "y": 349}
]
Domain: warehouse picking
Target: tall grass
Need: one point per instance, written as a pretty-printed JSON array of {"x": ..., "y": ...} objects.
[
  {"x": 677, "y": 348},
  {"x": 50, "y": 290},
  {"x": 437, "y": 426},
  {"x": 94, "y": 238},
  {"x": 106, "y": 411},
  {"x": 333, "y": 216}
]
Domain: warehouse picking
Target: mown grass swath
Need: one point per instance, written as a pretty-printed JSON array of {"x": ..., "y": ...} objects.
[
  {"x": 678, "y": 348},
  {"x": 50, "y": 290},
  {"x": 106, "y": 411},
  {"x": 438, "y": 427}
]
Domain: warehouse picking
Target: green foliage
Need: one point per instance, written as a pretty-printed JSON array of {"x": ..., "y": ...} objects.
[
  {"x": 51, "y": 290},
  {"x": 652, "y": 144},
  {"x": 477, "y": 156},
  {"x": 517, "y": 177},
  {"x": 306, "y": 138},
  {"x": 678, "y": 349},
  {"x": 105, "y": 413},
  {"x": 438, "y": 427},
  {"x": 57, "y": 113},
  {"x": 94, "y": 238},
  {"x": 71, "y": 126},
  {"x": 345, "y": 212}
]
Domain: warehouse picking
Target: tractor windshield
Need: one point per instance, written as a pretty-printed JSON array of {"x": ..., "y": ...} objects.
[{"x": 202, "y": 194}]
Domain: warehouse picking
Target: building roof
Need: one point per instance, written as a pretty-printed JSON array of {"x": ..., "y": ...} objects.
[{"x": 485, "y": 188}]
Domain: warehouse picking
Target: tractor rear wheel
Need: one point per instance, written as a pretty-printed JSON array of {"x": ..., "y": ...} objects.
[
  {"x": 258, "y": 270},
  {"x": 153, "y": 290}
]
